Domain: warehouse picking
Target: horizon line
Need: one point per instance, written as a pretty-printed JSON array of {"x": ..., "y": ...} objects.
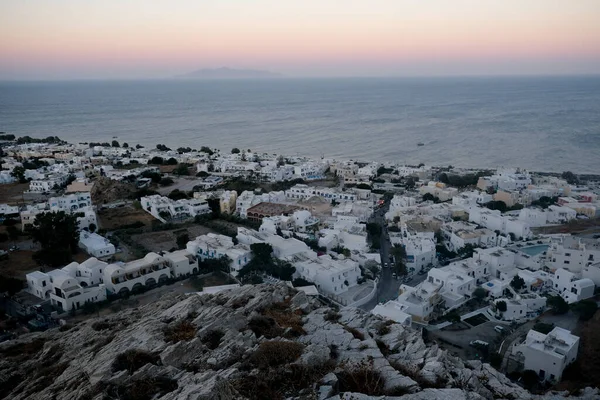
[{"x": 300, "y": 77}]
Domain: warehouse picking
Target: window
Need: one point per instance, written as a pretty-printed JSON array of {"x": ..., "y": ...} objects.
[
  {"x": 567, "y": 262},
  {"x": 44, "y": 283},
  {"x": 574, "y": 290},
  {"x": 567, "y": 254}
]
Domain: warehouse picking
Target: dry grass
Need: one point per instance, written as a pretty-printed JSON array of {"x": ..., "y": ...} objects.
[
  {"x": 332, "y": 316},
  {"x": 132, "y": 360},
  {"x": 415, "y": 374},
  {"x": 140, "y": 389},
  {"x": 355, "y": 332},
  {"x": 275, "y": 353},
  {"x": 24, "y": 350},
  {"x": 113, "y": 218},
  {"x": 361, "y": 378},
  {"x": 286, "y": 318},
  {"x": 182, "y": 330},
  {"x": 212, "y": 338},
  {"x": 12, "y": 193},
  {"x": 101, "y": 325}
]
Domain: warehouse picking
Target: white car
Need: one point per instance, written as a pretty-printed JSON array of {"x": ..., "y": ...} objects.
[{"x": 499, "y": 329}]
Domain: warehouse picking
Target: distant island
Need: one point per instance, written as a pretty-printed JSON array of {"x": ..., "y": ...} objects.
[{"x": 229, "y": 73}]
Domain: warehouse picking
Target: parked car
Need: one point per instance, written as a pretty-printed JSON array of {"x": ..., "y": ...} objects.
[
  {"x": 479, "y": 343},
  {"x": 13, "y": 248},
  {"x": 499, "y": 329}
]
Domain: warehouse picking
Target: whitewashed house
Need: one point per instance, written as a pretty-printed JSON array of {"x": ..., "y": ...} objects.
[
  {"x": 95, "y": 245},
  {"x": 548, "y": 355},
  {"x": 214, "y": 246},
  {"x": 127, "y": 277},
  {"x": 570, "y": 287}
]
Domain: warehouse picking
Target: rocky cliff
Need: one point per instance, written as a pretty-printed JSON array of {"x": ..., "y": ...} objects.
[{"x": 258, "y": 342}]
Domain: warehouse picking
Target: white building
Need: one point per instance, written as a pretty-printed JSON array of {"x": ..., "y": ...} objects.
[
  {"x": 506, "y": 179},
  {"x": 70, "y": 287},
  {"x": 5, "y": 209},
  {"x": 329, "y": 275},
  {"x": 572, "y": 253},
  {"x": 592, "y": 272},
  {"x": 124, "y": 278},
  {"x": 248, "y": 199},
  {"x": 181, "y": 262},
  {"x": 570, "y": 287},
  {"x": 95, "y": 245},
  {"x": 86, "y": 216},
  {"x": 457, "y": 234},
  {"x": 164, "y": 208},
  {"x": 523, "y": 307},
  {"x": 419, "y": 248},
  {"x": 70, "y": 202},
  {"x": 302, "y": 191},
  {"x": 535, "y": 217},
  {"x": 548, "y": 355},
  {"x": 214, "y": 246},
  {"x": 48, "y": 183},
  {"x": 394, "y": 311},
  {"x": 439, "y": 190},
  {"x": 495, "y": 221},
  {"x": 6, "y": 177}
]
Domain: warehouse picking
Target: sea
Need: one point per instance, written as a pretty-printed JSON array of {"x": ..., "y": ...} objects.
[{"x": 536, "y": 123}]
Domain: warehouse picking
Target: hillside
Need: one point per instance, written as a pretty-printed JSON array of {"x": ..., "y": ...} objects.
[{"x": 258, "y": 342}]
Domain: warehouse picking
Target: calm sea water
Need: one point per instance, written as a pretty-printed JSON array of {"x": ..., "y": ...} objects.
[{"x": 550, "y": 124}]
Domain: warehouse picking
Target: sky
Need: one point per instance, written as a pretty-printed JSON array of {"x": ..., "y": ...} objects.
[{"x": 95, "y": 39}]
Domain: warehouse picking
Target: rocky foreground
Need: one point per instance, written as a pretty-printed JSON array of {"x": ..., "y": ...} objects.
[{"x": 257, "y": 342}]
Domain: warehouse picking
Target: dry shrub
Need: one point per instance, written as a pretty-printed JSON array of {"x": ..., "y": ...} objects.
[
  {"x": 182, "y": 330},
  {"x": 45, "y": 377},
  {"x": 274, "y": 353},
  {"x": 383, "y": 348},
  {"x": 279, "y": 383},
  {"x": 286, "y": 319},
  {"x": 383, "y": 329},
  {"x": 101, "y": 325},
  {"x": 65, "y": 327},
  {"x": 241, "y": 301},
  {"x": 212, "y": 338},
  {"x": 139, "y": 389},
  {"x": 263, "y": 326},
  {"x": 415, "y": 374},
  {"x": 101, "y": 342},
  {"x": 355, "y": 332},
  {"x": 24, "y": 349},
  {"x": 134, "y": 359},
  {"x": 361, "y": 378},
  {"x": 332, "y": 316}
]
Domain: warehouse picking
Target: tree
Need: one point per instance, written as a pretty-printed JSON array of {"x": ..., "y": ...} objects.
[
  {"x": 430, "y": 197},
  {"x": 543, "y": 327},
  {"x": 530, "y": 379},
  {"x": 153, "y": 175},
  {"x": 501, "y": 305},
  {"x": 243, "y": 157},
  {"x": 171, "y": 161},
  {"x": 206, "y": 150},
  {"x": 182, "y": 240},
  {"x": 235, "y": 150},
  {"x": 202, "y": 174},
  {"x": 115, "y": 144},
  {"x": 166, "y": 181},
  {"x": 570, "y": 177},
  {"x": 558, "y": 304},
  {"x": 18, "y": 173},
  {"x": 156, "y": 160},
  {"x": 517, "y": 282},
  {"x": 58, "y": 234},
  {"x": 181, "y": 169},
  {"x": 139, "y": 146},
  {"x": 177, "y": 194},
  {"x": 586, "y": 309},
  {"x": 479, "y": 294},
  {"x": 280, "y": 161},
  {"x": 125, "y": 145},
  {"x": 13, "y": 232}
]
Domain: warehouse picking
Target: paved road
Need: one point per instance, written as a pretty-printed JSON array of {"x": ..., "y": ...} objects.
[{"x": 387, "y": 288}]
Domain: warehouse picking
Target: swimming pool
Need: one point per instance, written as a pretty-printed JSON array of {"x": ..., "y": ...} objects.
[{"x": 534, "y": 250}]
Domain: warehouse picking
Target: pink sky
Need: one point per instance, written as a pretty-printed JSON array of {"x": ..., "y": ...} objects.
[{"x": 59, "y": 39}]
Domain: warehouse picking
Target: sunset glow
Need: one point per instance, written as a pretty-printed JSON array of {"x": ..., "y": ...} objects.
[{"x": 44, "y": 39}]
